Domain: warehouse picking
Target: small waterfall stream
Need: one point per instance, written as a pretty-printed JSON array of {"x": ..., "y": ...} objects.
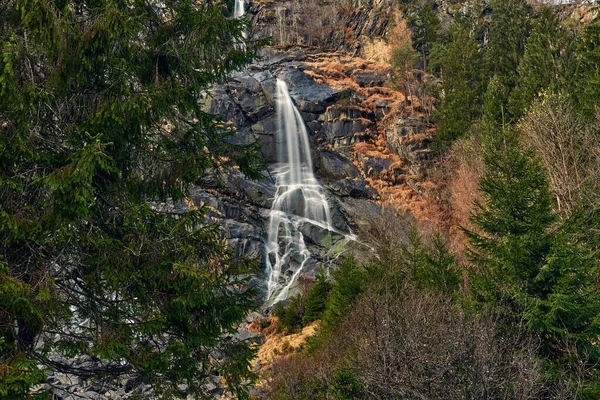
[
  {"x": 299, "y": 200},
  {"x": 239, "y": 11}
]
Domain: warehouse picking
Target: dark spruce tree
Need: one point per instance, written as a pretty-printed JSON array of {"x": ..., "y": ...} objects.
[
  {"x": 587, "y": 91},
  {"x": 464, "y": 84},
  {"x": 538, "y": 273},
  {"x": 509, "y": 28},
  {"x": 101, "y": 133},
  {"x": 512, "y": 241},
  {"x": 549, "y": 63},
  {"x": 425, "y": 26},
  {"x": 317, "y": 298}
]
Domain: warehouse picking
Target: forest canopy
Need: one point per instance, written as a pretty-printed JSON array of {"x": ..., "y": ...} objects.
[{"x": 101, "y": 134}]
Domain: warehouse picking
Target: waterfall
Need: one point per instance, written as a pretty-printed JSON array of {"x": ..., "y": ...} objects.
[
  {"x": 239, "y": 11},
  {"x": 299, "y": 200}
]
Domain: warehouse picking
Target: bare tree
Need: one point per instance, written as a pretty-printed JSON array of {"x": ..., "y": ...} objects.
[
  {"x": 568, "y": 148},
  {"x": 411, "y": 344}
]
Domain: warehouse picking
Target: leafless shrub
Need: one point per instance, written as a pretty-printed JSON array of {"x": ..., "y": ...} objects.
[
  {"x": 568, "y": 149},
  {"x": 414, "y": 345},
  {"x": 312, "y": 22}
]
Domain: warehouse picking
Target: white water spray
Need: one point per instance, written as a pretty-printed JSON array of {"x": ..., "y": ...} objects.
[
  {"x": 239, "y": 11},
  {"x": 299, "y": 200}
]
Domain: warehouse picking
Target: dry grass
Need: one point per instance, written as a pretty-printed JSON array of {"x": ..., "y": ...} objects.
[
  {"x": 463, "y": 169},
  {"x": 278, "y": 344},
  {"x": 421, "y": 196}
]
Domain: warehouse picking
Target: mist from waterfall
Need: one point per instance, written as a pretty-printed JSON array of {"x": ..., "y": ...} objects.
[{"x": 299, "y": 200}]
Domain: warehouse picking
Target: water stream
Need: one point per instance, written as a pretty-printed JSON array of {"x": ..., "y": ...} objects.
[
  {"x": 299, "y": 200},
  {"x": 239, "y": 11}
]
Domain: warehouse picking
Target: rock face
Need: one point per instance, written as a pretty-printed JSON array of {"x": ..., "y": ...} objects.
[
  {"x": 357, "y": 137},
  {"x": 247, "y": 100},
  {"x": 332, "y": 25}
]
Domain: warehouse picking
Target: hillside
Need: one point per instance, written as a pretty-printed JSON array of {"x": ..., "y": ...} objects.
[{"x": 299, "y": 199}]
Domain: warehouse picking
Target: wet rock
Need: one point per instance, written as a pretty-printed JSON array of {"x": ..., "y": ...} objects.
[
  {"x": 309, "y": 96},
  {"x": 259, "y": 193},
  {"x": 202, "y": 198},
  {"x": 337, "y": 112},
  {"x": 374, "y": 166},
  {"x": 254, "y": 316},
  {"x": 243, "y": 334},
  {"x": 266, "y": 126}
]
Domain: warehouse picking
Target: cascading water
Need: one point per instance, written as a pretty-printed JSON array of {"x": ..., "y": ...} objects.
[
  {"x": 239, "y": 11},
  {"x": 299, "y": 200}
]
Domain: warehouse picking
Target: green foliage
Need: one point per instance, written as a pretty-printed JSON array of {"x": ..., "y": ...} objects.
[
  {"x": 439, "y": 271},
  {"x": 101, "y": 133},
  {"x": 587, "y": 91},
  {"x": 512, "y": 220},
  {"x": 18, "y": 374},
  {"x": 404, "y": 59},
  {"x": 317, "y": 298},
  {"x": 348, "y": 282},
  {"x": 412, "y": 254},
  {"x": 425, "y": 26},
  {"x": 345, "y": 385},
  {"x": 436, "y": 58},
  {"x": 531, "y": 270},
  {"x": 509, "y": 29},
  {"x": 548, "y": 64},
  {"x": 494, "y": 101},
  {"x": 464, "y": 81},
  {"x": 290, "y": 315}
]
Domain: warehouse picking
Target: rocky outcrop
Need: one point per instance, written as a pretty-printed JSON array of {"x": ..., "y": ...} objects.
[
  {"x": 327, "y": 24},
  {"x": 359, "y": 137}
]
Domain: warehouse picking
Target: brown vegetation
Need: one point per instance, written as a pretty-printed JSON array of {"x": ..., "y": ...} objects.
[
  {"x": 463, "y": 168},
  {"x": 567, "y": 148},
  {"x": 413, "y": 345}
]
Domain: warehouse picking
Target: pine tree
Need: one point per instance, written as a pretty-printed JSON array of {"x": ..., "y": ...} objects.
[
  {"x": 440, "y": 270},
  {"x": 548, "y": 64},
  {"x": 587, "y": 91},
  {"x": 317, "y": 298},
  {"x": 101, "y": 135},
  {"x": 511, "y": 242},
  {"x": 464, "y": 82},
  {"x": 509, "y": 28},
  {"x": 425, "y": 26},
  {"x": 529, "y": 268},
  {"x": 494, "y": 103},
  {"x": 348, "y": 283}
]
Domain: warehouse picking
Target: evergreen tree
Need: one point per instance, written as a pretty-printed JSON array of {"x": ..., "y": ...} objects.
[
  {"x": 290, "y": 314},
  {"x": 494, "y": 104},
  {"x": 509, "y": 29},
  {"x": 425, "y": 26},
  {"x": 317, "y": 298},
  {"x": 348, "y": 283},
  {"x": 512, "y": 242},
  {"x": 549, "y": 62},
  {"x": 587, "y": 91},
  {"x": 101, "y": 134},
  {"x": 530, "y": 269},
  {"x": 464, "y": 81},
  {"x": 440, "y": 270}
]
